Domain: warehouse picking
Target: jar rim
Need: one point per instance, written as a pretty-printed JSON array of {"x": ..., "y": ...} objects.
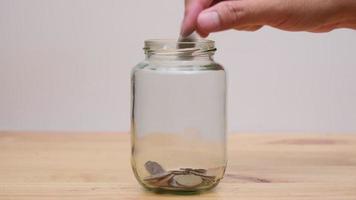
[{"x": 171, "y": 46}]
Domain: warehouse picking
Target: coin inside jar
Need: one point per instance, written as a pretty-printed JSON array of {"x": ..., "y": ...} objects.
[
  {"x": 154, "y": 168},
  {"x": 157, "y": 176},
  {"x": 189, "y": 180}
]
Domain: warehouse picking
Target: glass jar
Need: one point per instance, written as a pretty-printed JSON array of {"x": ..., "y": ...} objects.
[{"x": 178, "y": 125}]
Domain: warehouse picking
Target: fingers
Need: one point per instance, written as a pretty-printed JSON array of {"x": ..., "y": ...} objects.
[
  {"x": 192, "y": 10},
  {"x": 207, "y": 16},
  {"x": 220, "y": 16},
  {"x": 240, "y": 15}
]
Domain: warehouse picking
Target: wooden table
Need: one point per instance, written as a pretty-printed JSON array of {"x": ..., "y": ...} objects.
[{"x": 40, "y": 166}]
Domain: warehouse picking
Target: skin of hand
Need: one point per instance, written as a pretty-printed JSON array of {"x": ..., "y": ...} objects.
[{"x": 207, "y": 16}]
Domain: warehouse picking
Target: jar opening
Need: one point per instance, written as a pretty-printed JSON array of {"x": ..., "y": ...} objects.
[{"x": 174, "y": 47}]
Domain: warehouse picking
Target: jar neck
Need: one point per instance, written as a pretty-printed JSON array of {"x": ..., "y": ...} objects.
[
  {"x": 179, "y": 51},
  {"x": 158, "y": 57}
]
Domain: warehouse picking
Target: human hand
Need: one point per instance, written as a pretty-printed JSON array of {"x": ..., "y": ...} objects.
[{"x": 207, "y": 16}]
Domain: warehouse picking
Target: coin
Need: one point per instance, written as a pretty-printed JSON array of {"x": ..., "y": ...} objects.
[
  {"x": 203, "y": 171},
  {"x": 163, "y": 182},
  {"x": 187, "y": 42},
  {"x": 202, "y": 175},
  {"x": 154, "y": 168},
  {"x": 157, "y": 176},
  {"x": 189, "y": 180}
]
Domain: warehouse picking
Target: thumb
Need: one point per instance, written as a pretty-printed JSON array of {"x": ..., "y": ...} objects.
[{"x": 227, "y": 15}]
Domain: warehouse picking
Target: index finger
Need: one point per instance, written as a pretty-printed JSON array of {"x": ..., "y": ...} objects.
[{"x": 192, "y": 10}]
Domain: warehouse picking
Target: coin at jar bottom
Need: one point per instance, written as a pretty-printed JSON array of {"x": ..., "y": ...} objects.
[
  {"x": 188, "y": 180},
  {"x": 154, "y": 168},
  {"x": 157, "y": 176}
]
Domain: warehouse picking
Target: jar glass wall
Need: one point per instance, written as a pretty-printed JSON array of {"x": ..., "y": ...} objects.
[{"x": 178, "y": 125}]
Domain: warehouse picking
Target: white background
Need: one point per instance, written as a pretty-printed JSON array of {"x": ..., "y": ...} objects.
[{"x": 65, "y": 66}]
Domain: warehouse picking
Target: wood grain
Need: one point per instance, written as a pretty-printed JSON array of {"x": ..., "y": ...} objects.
[{"x": 38, "y": 166}]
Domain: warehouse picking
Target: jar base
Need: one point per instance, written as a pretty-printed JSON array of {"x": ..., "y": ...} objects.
[
  {"x": 178, "y": 179},
  {"x": 180, "y": 191}
]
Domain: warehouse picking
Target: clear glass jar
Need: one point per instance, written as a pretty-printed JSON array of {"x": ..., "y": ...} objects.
[{"x": 178, "y": 126}]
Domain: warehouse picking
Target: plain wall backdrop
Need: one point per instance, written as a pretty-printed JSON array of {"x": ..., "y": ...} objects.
[{"x": 65, "y": 66}]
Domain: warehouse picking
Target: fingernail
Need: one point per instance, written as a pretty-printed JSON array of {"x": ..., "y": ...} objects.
[{"x": 209, "y": 21}]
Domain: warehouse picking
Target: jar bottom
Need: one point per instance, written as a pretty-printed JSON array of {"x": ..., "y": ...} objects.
[
  {"x": 183, "y": 191},
  {"x": 178, "y": 162},
  {"x": 180, "y": 180}
]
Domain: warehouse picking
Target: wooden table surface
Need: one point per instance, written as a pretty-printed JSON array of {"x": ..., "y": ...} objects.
[{"x": 38, "y": 166}]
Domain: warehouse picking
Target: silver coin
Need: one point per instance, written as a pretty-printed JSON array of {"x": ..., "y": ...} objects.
[
  {"x": 189, "y": 180},
  {"x": 156, "y": 176},
  {"x": 154, "y": 168},
  {"x": 163, "y": 182},
  {"x": 187, "y": 42},
  {"x": 202, "y": 171}
]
